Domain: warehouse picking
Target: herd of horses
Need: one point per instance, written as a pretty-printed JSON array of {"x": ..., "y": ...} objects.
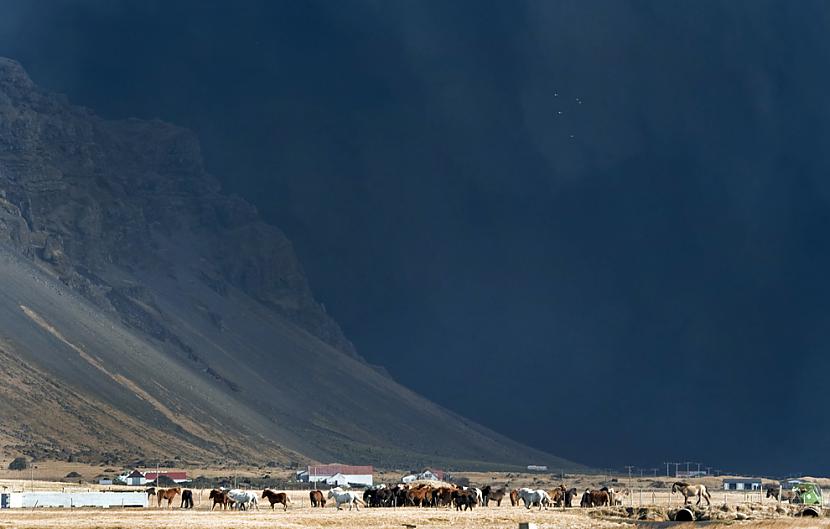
[{"x": 426, "y": 495}]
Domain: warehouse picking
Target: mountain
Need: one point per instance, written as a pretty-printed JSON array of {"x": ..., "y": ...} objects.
[{"x": 144, "y": 314}]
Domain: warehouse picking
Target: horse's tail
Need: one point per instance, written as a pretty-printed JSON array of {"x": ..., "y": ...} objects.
[
  {"x": 358, "y": 500},
  {"x": 705, "y": 493},
  {"x": 287, "y": 498}
]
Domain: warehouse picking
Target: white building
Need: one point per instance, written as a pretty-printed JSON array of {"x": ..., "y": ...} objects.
[
  {"x": 742, "y": 484},
  {"x": 134, "y": 478},
  {"x": 338, "y": 474},
  {"x": 427, "y": 474}
]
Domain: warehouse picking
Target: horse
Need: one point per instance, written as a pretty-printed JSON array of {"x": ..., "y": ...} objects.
[
  {"x": 514, "y": 497},
  {"x": 151, "y": 491},
  {"x": 557, "y": 495},
  {"x": 219, "y": 498},
  {"x": 532, "y": 497},
  {"x": 595, "y": 498},
  {"x": 420, "y": 496},
  {"x": 488, "y": 493},
  {"x": 276, "y": 497},
  {"x": 243, "y": 498},
  {"x": 464, "y": 499},
  {"x": 340, "y": 497},
  {"x": 317, "y": 498},
  {"x": 689, "y": 491},
  {"x": 187, "y": 499},
  {"x": 570, "y": 494},
  {"x": 778, "y": 494},
  {"x": 167, "y": 494}
]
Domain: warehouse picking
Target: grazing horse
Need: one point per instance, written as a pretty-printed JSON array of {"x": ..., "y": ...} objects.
[
  {"x": 689, "y": 491},
  {"x": 514, "y": 497},
  {"x": 167, "y": 494},
  {"x": 187, "y": 499},
  {"x": 242, "y": 498},
  {"x": 778, "y": 494},
  {"x": 219, "y": 498},
  {"x": 317, "y": 498},
  {"x": 340, "y": 497},
  {"x": 276, "y": 497},
  {"x": 532, "y": 497},
  {"x": 151, "y": 491}
]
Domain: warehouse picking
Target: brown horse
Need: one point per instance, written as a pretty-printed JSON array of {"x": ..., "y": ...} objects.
[
  {"x": 317, "y": 498},
  {"x": 514, "y": 497},
  {"x": 219, "y": 498},
  {"x": 277, "y": 497},
  {"x": 595, "y": 498},
  {"x": 167, "y": 494}
]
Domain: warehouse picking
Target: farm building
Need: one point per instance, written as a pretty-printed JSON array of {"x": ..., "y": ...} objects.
[
  {"x": 134, "y": 478},
  {"x": 339, "y": 474},
  {"x": 742, "y": 484},
  {"x": 175, "y": 475},
  {"x": 31, "y": 500},
  {"x": 428, "y": 473},
  {"x": 138, "y": 478}
]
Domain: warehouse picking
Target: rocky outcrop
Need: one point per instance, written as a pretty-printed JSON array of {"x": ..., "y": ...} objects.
[{"x": 83, "y": 195}]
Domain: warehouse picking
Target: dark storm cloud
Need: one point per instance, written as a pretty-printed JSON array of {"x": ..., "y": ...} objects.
[{"x": 615, "y": 210}]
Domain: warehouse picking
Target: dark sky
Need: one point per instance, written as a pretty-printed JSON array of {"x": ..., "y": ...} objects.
[{"x": 599, "y": 227}]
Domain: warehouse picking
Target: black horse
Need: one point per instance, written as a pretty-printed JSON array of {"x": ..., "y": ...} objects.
[{"x": 187, "y": 499}]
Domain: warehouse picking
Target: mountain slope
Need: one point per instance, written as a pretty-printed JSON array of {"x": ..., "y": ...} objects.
[{"x": 145, "y": 314}]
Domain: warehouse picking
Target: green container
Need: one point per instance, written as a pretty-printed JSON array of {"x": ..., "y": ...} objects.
[{"x": 808, "y": 493}]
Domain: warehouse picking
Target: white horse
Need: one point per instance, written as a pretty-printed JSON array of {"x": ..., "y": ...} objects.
[
  {"x": 340, "y": 497},
  {"x": 243, "y": 498},
  {"x": 531, "y": 497}
]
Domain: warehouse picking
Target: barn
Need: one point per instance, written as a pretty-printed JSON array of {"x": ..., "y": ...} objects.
[
  {"x": 339, "y": 474},
  {"x": 742, "y": 484}
]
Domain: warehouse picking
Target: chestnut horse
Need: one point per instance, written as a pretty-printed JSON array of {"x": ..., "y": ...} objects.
[
  {"x": 277, "y": 497},
  {"x": 514, "y": 497},
  {"x": 317, "y": 498},
  {"x": 167, "y": 494}
]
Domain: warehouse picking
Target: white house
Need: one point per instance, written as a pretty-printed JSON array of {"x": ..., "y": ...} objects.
[
  {"x": 338, "y": 474},
  {"x": 134, "y": 478}
]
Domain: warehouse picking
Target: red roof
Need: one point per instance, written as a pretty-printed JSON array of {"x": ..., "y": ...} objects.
[
  {"x": 151, "y": 476},
  {"x": 330, "y": 470}
]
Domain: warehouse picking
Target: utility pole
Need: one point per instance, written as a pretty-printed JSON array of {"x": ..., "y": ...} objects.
[
  {"x": 667, "y": 468},
  {"x": 676, "y": 466}
]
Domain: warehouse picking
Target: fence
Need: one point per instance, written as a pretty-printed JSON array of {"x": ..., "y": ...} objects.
[{"x": 641, "y": 497}]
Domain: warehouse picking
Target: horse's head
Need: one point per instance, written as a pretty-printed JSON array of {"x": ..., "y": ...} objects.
[
  {"x": 330, "y": 494},
  {"x": 674, "y": 488},
  {"x": 265, "y": 493}
]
